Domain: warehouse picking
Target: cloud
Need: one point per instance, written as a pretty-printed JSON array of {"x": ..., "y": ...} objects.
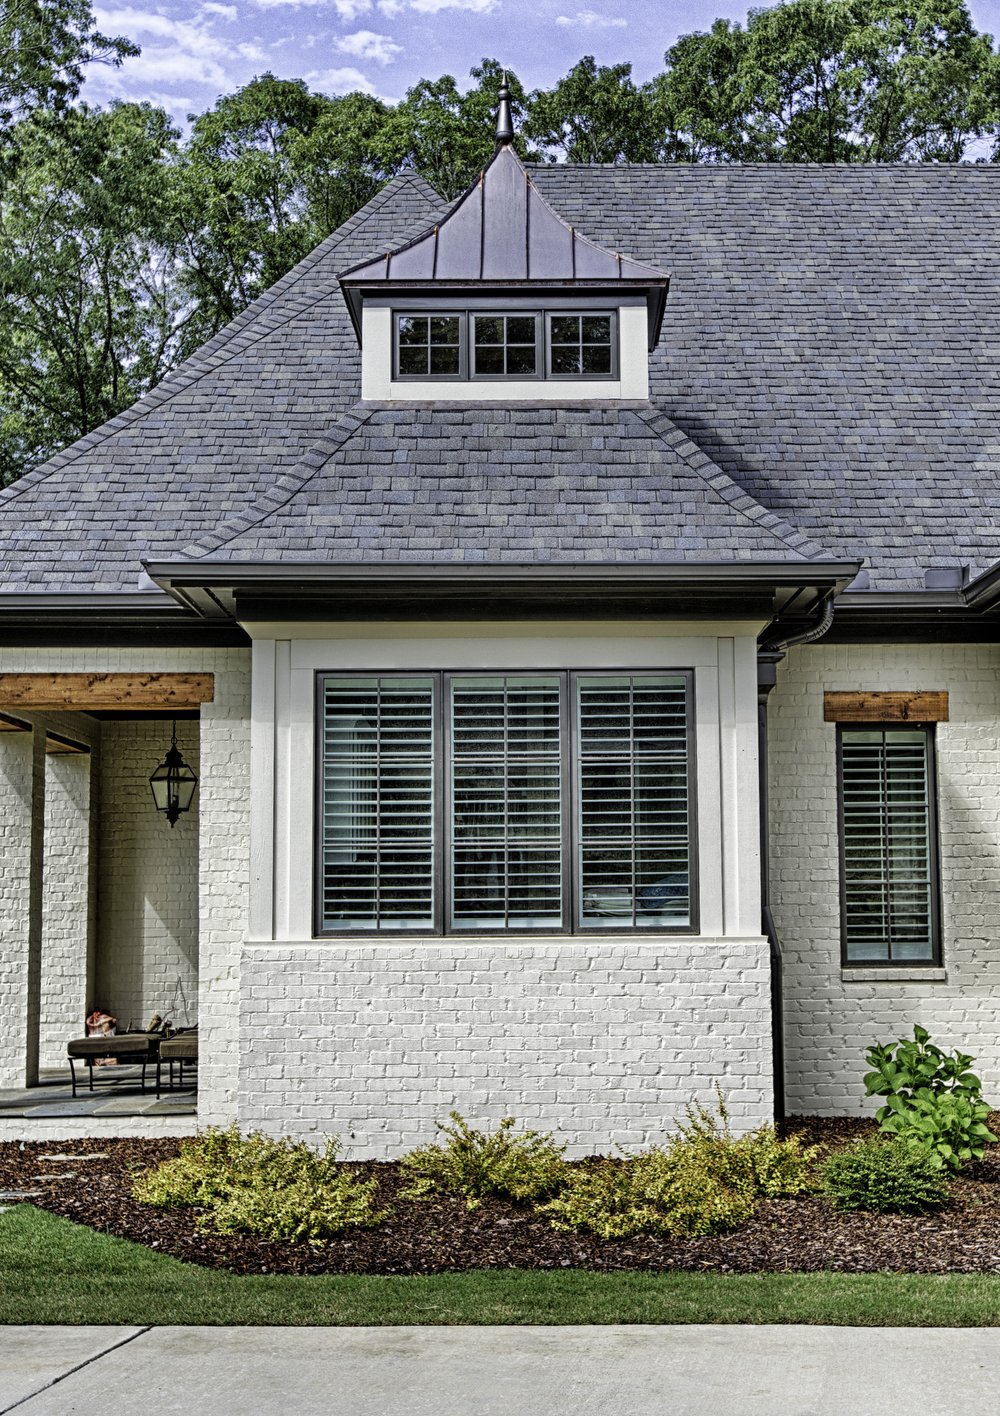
[
  {"x": 167, "y": 66},
  {"x": 392, "y": 8},
  {"x": 590, "y": 19},
  {"x": 337, "y": 81},
  {"x": 185, "y": 36},
  {"x": 253, "y": 52},
  {"x": 366, "y": 44},
  {"x": 228, "y": 12},
  {"x": 432, "y": 7}
]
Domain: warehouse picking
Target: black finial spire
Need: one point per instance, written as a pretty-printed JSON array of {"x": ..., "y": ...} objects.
[{"x": 505, "y": 123}]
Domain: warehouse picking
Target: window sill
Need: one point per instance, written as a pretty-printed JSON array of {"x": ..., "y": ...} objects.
[{"x": 903, "y": 973}]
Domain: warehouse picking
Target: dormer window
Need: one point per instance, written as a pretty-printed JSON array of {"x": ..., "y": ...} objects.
[{"x": 490, "y": 344}]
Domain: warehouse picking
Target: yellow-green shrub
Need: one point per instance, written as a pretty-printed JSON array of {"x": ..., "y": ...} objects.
[
  {"x": 253, "y": 1184},
  {"x": 477, "y": 1165}
]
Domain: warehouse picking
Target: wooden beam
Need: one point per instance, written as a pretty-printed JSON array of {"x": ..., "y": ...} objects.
[
  {"x": 84, "y": 692},
  {"x": 56, "y": 746},
  {"x": 914, "y": 706},
  {"x": 13, "y": 725}
]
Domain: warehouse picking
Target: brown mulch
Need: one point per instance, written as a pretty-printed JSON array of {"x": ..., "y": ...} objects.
[{"x": 441, "y": 1235}]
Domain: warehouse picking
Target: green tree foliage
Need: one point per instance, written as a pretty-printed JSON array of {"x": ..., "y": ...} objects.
[
  {"x": 447, "y": 135},
  {"x": 90, "y": 316},
  {"x": 835, "y": 81},
  {"x": 45, "y": 46},
  {"x": 598, "y": 114}
]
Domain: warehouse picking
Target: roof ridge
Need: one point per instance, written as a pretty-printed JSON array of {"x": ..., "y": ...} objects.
[
  {"x": 288, "y": 485},
  {"x": 226, "y": 342},
  {"x": 731, "y": 492}
]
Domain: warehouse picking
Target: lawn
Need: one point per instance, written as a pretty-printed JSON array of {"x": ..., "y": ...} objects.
[{"x": 54, "y": 1271}]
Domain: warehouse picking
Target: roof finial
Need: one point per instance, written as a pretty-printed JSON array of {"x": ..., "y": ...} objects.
[{"x": 505, "y": 123}]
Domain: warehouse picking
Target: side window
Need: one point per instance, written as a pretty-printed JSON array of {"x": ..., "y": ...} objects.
[
  {"x": 582, "y": 346},
  {"x": 890, "y": 909},
  {"x": 429, "y": 346}
]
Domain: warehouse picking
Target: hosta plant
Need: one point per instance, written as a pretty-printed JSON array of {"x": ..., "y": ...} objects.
[{"x": 933, "y": 1098}]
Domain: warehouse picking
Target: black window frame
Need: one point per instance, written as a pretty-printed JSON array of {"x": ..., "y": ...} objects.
[
  {"x": 543, "y": 316},
  {"x": 571, "y": 926},
  {"x": 934, "y": 848}
]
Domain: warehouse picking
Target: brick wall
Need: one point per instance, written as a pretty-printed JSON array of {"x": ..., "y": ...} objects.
[
  {"x": 603, "y": 1042},
  {"x": 67, "y": 893},
  {"x": 831, "y": 1016},
  {"x": 147, "y": 959}
]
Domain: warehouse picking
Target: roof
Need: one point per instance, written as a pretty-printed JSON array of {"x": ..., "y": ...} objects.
[
  {"x": 505, "y": 485},
  {"x": 831, "y": 345}
]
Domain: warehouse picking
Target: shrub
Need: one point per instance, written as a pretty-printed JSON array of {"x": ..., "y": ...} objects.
[
  {"x": 707, "y": 1181},
  {"x": 252, "y": 1184},
  {"x": 476, "y": 1165},
  {"x": 888, "y": 1176},
  {"x": 933, "y": 1099}
]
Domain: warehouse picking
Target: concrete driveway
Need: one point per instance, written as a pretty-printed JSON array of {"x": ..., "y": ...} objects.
[{"x": 501, "y": 1371}]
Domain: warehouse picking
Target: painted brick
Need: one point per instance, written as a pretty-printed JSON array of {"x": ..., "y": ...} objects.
[
  {"x": 831, "y": 1018},
  {"x": 375, "y": 1043}
]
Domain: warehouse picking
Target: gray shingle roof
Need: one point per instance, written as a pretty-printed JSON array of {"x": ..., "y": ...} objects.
[
  {"x": 831, "y": 339},
  {"x": 209, "y": 438},
  {"x": 831, "y": 342},
  {"x": 406, "y": 483}
]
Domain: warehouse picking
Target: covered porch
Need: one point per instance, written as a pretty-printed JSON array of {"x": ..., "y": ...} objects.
[{"x": 99, "y": 894}]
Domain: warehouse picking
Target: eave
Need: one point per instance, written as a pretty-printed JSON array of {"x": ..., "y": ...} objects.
[
  {"x": 318, "y": 590},
  {"x": 93, "y": 619}
]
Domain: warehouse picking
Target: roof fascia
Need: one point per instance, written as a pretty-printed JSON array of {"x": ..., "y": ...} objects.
[
  {"x": 81, "y": 618},
  {"x": 314, "y": 590}
]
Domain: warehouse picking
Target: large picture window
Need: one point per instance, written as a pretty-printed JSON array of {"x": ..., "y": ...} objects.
[
  {"x": 888, "y": 836},
  {"x": 464, "y": 802}
]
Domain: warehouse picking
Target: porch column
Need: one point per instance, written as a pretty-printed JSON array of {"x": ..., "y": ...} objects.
[
  {"x": 67, "y": 881},
  {"x": 22, "y": 831}
]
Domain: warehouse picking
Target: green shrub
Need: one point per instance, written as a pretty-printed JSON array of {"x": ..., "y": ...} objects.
[
  {"x": 888, "y": 1176},
  {"x": 475, "y": 1165},
  {"x": 707, "y": 1181},
  {"x": 933, "y": 1099},
  {"x": 252, "y": 1184}
]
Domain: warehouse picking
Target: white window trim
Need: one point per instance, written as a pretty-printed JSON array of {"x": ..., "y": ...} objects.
[{"x": 378, "y": 385}]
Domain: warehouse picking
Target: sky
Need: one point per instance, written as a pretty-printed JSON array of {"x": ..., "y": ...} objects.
[{"x": 193, "y": 51}]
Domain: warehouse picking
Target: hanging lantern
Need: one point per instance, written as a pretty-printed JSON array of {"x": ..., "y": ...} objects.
[{"x": 173, "y": 783}]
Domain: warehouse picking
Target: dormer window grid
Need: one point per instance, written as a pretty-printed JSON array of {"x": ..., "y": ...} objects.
[{"x": 489, "y": 344}]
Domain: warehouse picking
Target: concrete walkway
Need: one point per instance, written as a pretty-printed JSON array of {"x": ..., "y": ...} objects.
[{"x": 501, "y": 1371}]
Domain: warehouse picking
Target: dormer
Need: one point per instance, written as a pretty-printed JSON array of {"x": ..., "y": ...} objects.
[{"x": 504, "y": 301}]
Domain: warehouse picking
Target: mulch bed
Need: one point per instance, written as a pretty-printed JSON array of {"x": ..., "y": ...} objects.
[{"x": 441, "y": 1235}]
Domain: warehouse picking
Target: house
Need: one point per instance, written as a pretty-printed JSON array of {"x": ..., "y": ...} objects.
[{"x": 484, "y": 570}]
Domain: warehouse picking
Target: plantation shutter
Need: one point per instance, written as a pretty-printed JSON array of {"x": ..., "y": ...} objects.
[
  {"x": 506, "y": 802},
  {"x": 887, "y": 845},
  {"x": 634, "y": 828},
  {"x": 377, "y": 829}
]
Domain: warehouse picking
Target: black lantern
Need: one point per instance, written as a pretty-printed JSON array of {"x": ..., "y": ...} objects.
[{"x": 173, "y": 783}]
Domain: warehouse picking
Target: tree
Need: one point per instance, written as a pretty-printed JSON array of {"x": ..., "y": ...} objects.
[
  {"x": 45, "y": 45},
  {"x": 597, "y": 114},
  {"x": 90, "y": 313},
  {"x": 835, "y": 81},
  {"x": 446, "y": 135}
]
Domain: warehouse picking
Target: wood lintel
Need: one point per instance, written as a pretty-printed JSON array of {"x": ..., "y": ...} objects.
[
  {"x": 149, "y": 692},
  {"x": 910, "y": 706}
]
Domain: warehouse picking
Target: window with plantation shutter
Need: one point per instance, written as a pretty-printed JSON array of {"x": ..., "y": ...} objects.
[
  {"x": 888, "y": 845},
  {"x": 463, "y": 802}
]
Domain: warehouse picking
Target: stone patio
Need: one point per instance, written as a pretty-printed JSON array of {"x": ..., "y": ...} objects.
[{"x": 117, "y": 1096}]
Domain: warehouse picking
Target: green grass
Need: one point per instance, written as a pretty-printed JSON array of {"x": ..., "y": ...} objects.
[{"x": 52, "y": 1271}]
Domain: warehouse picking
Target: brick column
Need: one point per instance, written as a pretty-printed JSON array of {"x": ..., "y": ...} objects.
[
  {"x": 22, "y": 805},
  {"x": 66, "y": 896}
]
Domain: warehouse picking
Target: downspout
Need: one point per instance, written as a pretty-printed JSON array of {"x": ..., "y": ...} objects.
[{"x": 769, "y": 656}]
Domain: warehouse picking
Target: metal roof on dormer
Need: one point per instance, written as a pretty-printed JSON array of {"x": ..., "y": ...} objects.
[{"x": 501, "y": 232}]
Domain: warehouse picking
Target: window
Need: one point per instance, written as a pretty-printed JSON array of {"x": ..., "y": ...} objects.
[
  {"x": 888, "y": 835},
  {"x": 505, "y": 346},
  {"x": 463, "y": 802},
  {"x": 580, "y": 345},
  {"x": 522, "y": 344},
  {"x": 429, "y": 346}
]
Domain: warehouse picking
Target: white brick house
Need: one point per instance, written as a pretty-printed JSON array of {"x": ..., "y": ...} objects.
[{"x": 477, "y": 564}]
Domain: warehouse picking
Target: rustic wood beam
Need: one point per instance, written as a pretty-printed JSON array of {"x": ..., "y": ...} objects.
[
  {"x": 56, "y": 746},
  {"x": 88, "y": 692},
  {"x": 13, "y": 725},
  {"x": 917, "y": 706}
]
